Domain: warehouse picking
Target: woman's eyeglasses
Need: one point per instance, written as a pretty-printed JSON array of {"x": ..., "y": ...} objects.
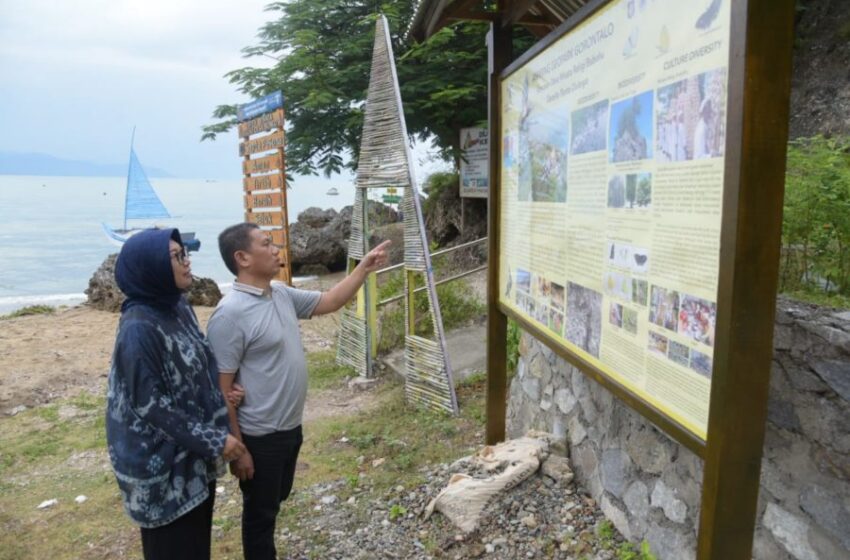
[{"x": 182, "y": 256}]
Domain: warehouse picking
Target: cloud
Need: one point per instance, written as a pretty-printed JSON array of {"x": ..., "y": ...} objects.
[{"x": 192, "y": 33}]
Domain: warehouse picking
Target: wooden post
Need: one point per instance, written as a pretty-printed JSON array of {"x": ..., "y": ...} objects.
[
  {"x": 759, "y": 88},
  {"x": 286, "y": 269},
  {"x": 499, "y": 53}
]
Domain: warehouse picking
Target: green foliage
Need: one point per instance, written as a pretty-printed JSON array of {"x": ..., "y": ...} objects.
[
  {"x": 30, "y": 310},
  {"x": 605, "y": 531},
  {"x": 435, "y": 185},
  {"x": 397, "y": 511},
  {"x": 458, "y": 305},
  {"x": 627, "y": 551},
  {"x": 443, "y": 84},
  {"x": 514, "y": 335},
  {"x": 324, "y": 53},
  {"x": 816, "y": 220},
  {"x": 624, "y": 550},
  {"x": 363, "y": 441}
]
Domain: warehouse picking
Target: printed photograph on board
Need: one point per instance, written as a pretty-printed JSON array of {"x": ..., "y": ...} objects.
[
  {"x": 617, "y": 284},
  {"x": 679, "y": 353},
  {"x": 640, "y": 291},
  {"x": 556, "y": 322},
  {"x": 584, "y": 318},
  {"x": 523, "y": 281},
  {"x": 627, "y": 256},
  {"x": 543, "y": 147},
  {"x": 589, "y": 127},
  {"x": 633, "y": 190},
  {"x": 691, "y": 118},
  {"x": 657, "y": 344},
  {"x": 701, "y": 363},
  {"x": 630, "y": 320},
  {"x": 558, "y": 299},
  {"x": 697, "y": 318},
  {"x": 543, "y": 290},
  {"x": 664, "y": 308},
  {"x": 615, "y": 314},
  {"x": 630, "y": 131}
]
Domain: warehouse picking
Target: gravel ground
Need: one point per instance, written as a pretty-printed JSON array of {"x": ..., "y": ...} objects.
[{"x": 540, "y": 518}]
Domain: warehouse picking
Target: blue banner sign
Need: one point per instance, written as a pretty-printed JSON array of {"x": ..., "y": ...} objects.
[{"x": 259, "y": 106}]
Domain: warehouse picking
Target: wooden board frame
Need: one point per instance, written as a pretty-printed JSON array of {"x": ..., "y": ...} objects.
[{"x": 759, "y": 77}]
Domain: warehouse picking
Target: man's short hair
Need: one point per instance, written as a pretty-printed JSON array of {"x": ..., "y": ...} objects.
[{"x": 235, "y": 238}]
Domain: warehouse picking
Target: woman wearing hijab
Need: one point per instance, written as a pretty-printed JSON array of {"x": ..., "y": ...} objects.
[{"x": 166, "y": 421}]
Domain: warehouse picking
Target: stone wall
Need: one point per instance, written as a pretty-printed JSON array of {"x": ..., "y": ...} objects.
[{"x": 649, "y": 486}]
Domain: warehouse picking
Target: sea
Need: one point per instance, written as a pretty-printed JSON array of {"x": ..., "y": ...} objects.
[{"x": 52, "y": 241}]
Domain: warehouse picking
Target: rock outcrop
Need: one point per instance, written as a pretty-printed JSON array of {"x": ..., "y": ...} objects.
[
  {"x": 103, "y": 292},
  {"x": 319, "y": 238}
]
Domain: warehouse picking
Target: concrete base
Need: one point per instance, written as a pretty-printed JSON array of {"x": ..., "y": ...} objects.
[{"x": 467, "y": 353}]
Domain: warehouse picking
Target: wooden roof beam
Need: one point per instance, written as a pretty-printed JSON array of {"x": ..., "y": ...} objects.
[{"x": 516, "y": 10}]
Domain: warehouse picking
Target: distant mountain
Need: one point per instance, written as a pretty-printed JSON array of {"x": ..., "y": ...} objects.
[{"x": 12, "y": 163}]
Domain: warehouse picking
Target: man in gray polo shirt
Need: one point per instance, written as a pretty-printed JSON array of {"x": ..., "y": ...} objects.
[{"x": 256, "y": 340}]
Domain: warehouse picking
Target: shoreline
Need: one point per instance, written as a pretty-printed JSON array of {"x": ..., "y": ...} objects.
[{"x": 11, "y": 303}]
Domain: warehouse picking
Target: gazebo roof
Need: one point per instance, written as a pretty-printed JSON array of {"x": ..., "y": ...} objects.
[{"x": 539, "y": 16}]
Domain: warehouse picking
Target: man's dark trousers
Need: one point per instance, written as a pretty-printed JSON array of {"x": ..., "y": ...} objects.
[{"x": 275, "y": 456}]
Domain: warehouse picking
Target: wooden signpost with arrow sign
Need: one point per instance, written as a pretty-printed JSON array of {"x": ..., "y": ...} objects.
[{"x": 264, "y": 181}]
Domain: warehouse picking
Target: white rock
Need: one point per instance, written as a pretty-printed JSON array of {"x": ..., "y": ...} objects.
[
  {"x": 352, "y": 500},
  {"x": 558, "y": 469},
  {"x": 328, "y": 500},
  {"x": 378, "y": 462},
  {"x": 791, "y": 531},
  {"x": 665, "y": 498},
  {"x": 47, "y": 503},
  {"x": 343, "y": 439},
  {"x": 80, "y": 499},
  {"x": 529, "y": 521},
  {"x": 219, "y": 489},
  {"x": 17, "y": 410}
]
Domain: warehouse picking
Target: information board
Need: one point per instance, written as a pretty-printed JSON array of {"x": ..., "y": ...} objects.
[
  {"x": 474, "y": 163},
  {"x": 612, "y": 181}
]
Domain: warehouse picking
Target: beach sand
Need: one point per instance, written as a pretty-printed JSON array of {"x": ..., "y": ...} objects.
[{"x": 48, "y": 357}]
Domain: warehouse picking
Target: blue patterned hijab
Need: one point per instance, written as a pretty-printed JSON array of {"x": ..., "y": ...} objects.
[{"x": 144, "y": 272}]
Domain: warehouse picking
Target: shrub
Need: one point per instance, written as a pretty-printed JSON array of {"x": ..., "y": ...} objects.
[{"x": 816, "y": 219}]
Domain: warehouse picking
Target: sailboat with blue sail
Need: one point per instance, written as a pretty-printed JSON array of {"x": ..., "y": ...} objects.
[{"x": 142, "y": 203}]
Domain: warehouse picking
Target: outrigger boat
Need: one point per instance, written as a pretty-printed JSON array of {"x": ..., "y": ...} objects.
[{"x": 142, "y": 203}]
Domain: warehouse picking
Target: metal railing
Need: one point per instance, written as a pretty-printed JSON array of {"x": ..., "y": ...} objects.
[{"x": 444, "y": 280}]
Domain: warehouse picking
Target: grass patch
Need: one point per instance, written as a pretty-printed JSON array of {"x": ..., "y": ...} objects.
[
  {"x": 30, "y": 310},
  {"x": 819, "y": 297},
  {"x": 405, "y": 437},
  {"x": 41, "y": 457},
  {"x": 623, "y": 550},
  {"x": 323, "y": 371}
]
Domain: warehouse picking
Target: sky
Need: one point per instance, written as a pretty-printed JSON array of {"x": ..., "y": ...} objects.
[{"x": 77, "y": 76}]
